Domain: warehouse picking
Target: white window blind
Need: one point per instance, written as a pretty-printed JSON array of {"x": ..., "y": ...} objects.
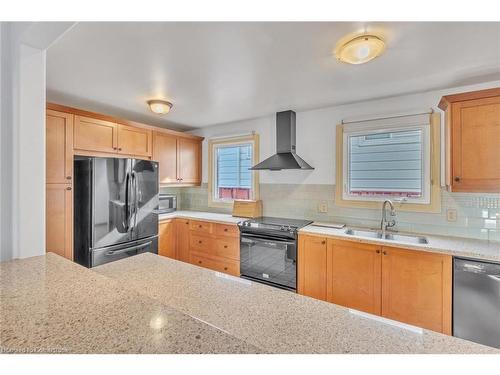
[{"x": 387, "y": 158}]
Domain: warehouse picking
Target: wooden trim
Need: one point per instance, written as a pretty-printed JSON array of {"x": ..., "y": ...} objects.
[
  {"x": 100, "y": 116},
  {"x": 256, "y": 179},
  {"x": 464, "y": 96},
  {"x": 78, "y": 152},
  {"x": 435, "y": 174}
]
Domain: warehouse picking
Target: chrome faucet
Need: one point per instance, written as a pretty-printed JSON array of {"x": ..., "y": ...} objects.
[{"x": 384, "y": 223}]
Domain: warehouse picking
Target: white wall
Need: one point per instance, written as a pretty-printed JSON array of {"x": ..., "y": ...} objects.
[
  {"x": 22, "y": 203},
  {"x": 316, "y": 132}
]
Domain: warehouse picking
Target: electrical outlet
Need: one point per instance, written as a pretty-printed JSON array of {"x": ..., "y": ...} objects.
[
  {"x": 323, "y": 207},
  {"x": 451, "y": 214}
]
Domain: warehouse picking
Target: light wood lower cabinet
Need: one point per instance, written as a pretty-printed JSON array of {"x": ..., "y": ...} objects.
[
  {"x": 416, "y": 288},
  {"x": 312, "y": 262},
  {"x": 166, "y": 242},
  {"x": 59, "y": 219},
  {"x": 182, "y": 239},
  {"x": 410, "y": 286},
  {"x": 205, "y": 244},
  {"x": 354, "y": 277}
]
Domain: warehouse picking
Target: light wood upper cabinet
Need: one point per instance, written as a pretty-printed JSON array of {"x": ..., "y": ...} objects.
[
  {"x": 189, "y": 161},
  {"x": 312, "y": 263},
  {"x": 473, "y": 140},
  {"x": 179, "y": 159},
  {"x": 354, "y": 276},
  {"x": 134, "y": 140},
  {"x": 59, "y": 147},
  {"x": 166, "y": 243},
  {"x": 59, "y": 219},
  {"x": 182, "y": 239},
  {"x": 165, "y": 153},
  {"x": 95, "y": 135},
  {"x": 416, "y": 288}
]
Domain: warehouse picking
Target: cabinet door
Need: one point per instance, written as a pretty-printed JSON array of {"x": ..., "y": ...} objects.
[
  {"x": 134, "y": 141},
  {"x": 475, "y": 151},
  {"x": 166, "y": 243},
  {"x": 312, "y": 262},
  {"x": 59, "y": 219},
  {"x": 165, "y": 153},
  {"x": 416, "y": 288},
  {"x": 95, "y": 135},
  {"x": 182, "y": 231},
  {"x": 189, "y": 161},
  {"x": 58, "y": 147},
  {"x": 354, "y": 275}
]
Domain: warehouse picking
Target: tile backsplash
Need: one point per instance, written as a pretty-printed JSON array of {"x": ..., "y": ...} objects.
[{"x": 478, "y": 215}]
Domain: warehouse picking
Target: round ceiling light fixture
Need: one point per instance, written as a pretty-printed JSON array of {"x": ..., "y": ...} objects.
[
  {"x": 160, "y": 107},
  {"x": 361, "y": 49}
]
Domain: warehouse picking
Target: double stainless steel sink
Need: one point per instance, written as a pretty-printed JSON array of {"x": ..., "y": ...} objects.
[{"x": 367, "y": 233}]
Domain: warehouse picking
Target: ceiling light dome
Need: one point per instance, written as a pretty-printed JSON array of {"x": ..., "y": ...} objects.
[
  {"x": 361, "y": 49},
  {"x": 160, "y": 107}
]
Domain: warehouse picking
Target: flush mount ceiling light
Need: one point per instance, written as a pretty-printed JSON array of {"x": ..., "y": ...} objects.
[
  {"x": 160, "y": 107},
  {"x": 361, "y": 49}
]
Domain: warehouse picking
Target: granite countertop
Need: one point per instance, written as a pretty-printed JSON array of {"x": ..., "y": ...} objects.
[
  {"x": 201, "y": 215},
  {"x": 271, "y": 319},
  {"x": 456, "y": 246},
  {"x": 51, "y": 305}
]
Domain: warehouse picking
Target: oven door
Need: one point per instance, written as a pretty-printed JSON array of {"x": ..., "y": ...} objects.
[{"x": 269, "y": 259}]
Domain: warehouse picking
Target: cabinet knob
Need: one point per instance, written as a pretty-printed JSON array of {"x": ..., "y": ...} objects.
[
  {"x": 187, "y": 222},
  {"x": 119, "y": 148},
  {"x": 457, "y": 179},
  {"x": 323, "y": 242},
  {"x": 384, "y": 252},
  {"x": 225, "y": 268},
  {"x": 377, "y": 251},
  {"x": 199, "y": 262},
  {"x": 225, "y": 246},
  {"x": 68, "y": 177},
  {"x": 199, "y": 241},
  {"x": 68, "y": 188},
  {"x": 115, "y": 148},
  {"x": 200, "y": 226},
  {"x": 225, "y": 229}
]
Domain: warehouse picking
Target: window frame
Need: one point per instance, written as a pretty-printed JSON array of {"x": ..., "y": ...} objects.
[
  {"x": 431, "y": 199},
  {"x": 213, "y": 144}
]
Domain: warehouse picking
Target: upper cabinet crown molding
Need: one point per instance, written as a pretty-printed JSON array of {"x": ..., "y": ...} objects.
[{"x": 472, "y": 141}]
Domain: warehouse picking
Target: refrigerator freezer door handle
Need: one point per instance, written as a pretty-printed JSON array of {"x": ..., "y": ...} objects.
[{"x": 114, "y": 252}]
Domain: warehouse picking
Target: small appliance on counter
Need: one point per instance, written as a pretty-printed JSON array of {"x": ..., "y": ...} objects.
[
  {"x": 167, "y": 203},
  {"x": 268, "y": 250}
]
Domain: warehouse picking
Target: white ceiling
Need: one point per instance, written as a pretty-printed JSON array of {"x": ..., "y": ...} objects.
[{"x": 220, "y": 72}]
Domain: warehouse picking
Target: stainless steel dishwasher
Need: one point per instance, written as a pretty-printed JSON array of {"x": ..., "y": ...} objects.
[{"x": 476, "y": 301}]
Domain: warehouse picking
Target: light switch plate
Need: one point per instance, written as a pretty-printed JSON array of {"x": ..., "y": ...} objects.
[
  {"x": 323, "y": 207},
  {"x": 451, "y": 214}
]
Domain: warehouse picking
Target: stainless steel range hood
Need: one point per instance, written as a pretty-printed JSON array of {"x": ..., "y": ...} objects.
[{"x": 285, "y": 157}]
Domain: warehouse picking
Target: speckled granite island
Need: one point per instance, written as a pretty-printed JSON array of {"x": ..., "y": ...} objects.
[{"x": 152, "y": 304}]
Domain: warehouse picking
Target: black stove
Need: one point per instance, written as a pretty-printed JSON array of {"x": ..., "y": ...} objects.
[
  {"x": 273, "y": 226},
  {"x": 268, "y": 250}
]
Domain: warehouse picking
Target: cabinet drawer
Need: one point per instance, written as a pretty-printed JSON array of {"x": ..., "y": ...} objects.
[
  {"x": 200, "y": 243},
  {"x": 201, "y": 226},
  {"x": 227, "y": 230},
  {"x": 226, "y": 266},
  {"x": 227, "y": 248}
]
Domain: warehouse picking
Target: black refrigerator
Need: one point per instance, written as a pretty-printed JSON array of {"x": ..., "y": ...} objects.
[{"x": 115, "y": 202}]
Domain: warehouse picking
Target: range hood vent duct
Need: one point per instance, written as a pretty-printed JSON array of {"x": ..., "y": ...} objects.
[{"x": 285, "y": 157}]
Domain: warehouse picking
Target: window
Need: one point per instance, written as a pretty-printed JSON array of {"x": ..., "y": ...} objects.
[
  {"x": 230, "y": 175},
  {"x": 389, "y": 159}
]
